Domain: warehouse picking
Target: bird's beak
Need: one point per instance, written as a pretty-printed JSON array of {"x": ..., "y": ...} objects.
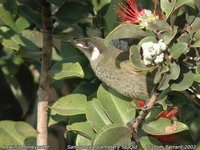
[{"x": 80, "y": 44}]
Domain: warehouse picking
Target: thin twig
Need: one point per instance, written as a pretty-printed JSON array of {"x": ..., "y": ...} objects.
[
  {"x": 45, "y": 81},
  {"x": 135, "y": 123}
]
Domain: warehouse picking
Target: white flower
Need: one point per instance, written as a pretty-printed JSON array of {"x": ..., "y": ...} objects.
[
  {"x": 159, "y": 58},
  {"x": 147, "y": 45},
  {"x": 162, "y": 45},
  {"x": 147, "y": 62},
  {"x": 152, "y": 52},
  {"x": 147, "y": 54}
]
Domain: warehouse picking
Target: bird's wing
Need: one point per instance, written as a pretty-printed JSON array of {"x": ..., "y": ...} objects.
[{"x": 122, "y": 62}]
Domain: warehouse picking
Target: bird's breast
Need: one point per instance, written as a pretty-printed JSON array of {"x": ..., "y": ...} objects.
[{"x": 130, "y": 85}]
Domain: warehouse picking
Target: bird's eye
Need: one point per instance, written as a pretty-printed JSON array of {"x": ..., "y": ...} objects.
[{"x": 87, "y": 43}]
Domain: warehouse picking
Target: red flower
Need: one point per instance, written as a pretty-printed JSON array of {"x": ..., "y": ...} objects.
[
  {"x": 166, "y": 139},
  {"x": 140, "y": 103},
  {"x": 169, "y": 113},
  {"x": 129, "y": 13}
]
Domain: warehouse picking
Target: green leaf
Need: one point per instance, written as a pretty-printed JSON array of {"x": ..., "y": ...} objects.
[
  {"x": 113, "y": 135},
  {"x": 174, "y": 71},
  {"x": 150, "y": 143},
  {"x": 154, "y": 113},
  {"x": 185, "y": 38},
  {"x": 184, "y": 83},
  {"x": 67, "y": 68},
  {"x": 197, "y": 4},
  {"x": 68, "y": 50},
  {"x": 86, "y": 88},
  {"x": 82, "y": 128},
  {"x": 135, "y": 58},
  {"x": 7, "y": 19},
  {"x": 194, "y": 128},
  {"x": 167, "y": 7},
  {"x": 55, "y": 118},
  {"x": 164, "y": 83},
  {"x": 80, "y": 142},
  {"x": 180, "y": 3},
  {"x": 69, "y": 105},
  {"x": 197, "y": 69},
  {"x": 147, "y": 39},
  {"x": 22, "y": 23},
  {"x": 177, "y": 49},
  {"x": 158, "y": 126},
  {"x": 125, "y": 31},
  {"x": 30, "y": 15},
  {"x": 10, "y": 44},
  {"x": 99, "y": 5},
  {"x": 197, "y": 78},
  {"x": 16, "y": 133},
  {"x": 34, "y": 36},
  {"x": 196, "y": 39},
  {"x": 72, "y": 11},
  {"x": 115, "y": 105},
  {"x": 161, "y": 70},
  {"x": 159, "y": 25},
  {"x": 169, "y": 35},
  {"x": 111, "y": 16},
  {"x": 96, "y": 115}
]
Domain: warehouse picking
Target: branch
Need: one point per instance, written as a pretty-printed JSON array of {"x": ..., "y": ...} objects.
[
  {"x": 45, "y": 81},
  {"x": 135, "y": 123}
]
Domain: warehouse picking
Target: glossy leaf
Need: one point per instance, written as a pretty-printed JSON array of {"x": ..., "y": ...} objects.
[
  {"x": 80, "y": 142},
  {"x": 7, "y": 18},
  {"x": 16, "y": 133},
  {"x": 96, "y": 115},
  {"x": 115, "y": 105},
  {"x": 70, "y": 105},
  {"x": 111, "y": 16},
  {"x": 197, "y": 78},
  {"x": 160, "y": 71},
  {"x": 197, "y": 69},
  {"x": 113, "y": 135},
  {"x": 22, "y": 24},
  {"x": 196, "y": 39},
  {"x": 164, "y": 83},
  {"x": 67, "y": 68},
  {"x": 180, "y": 3},
  {"x": 177, "y": 49},
  {"x": 82, "y": 128},
  {"x": 30, "y": 15},
  {"x": 149, "y": 142},
  {"x": 159, "y": 25},
  {"x": 146, "y": 39},
  {"x": 72, "y": 11},
  {"x": 34, "y": 36},
  {"x": 99, "y": 5},
  {"x": 154, "y": 113},
  {"x": 174, "y": 71},
  {"x": 197, "y": 4},
  {"x": 185, "y": 82},
  {"x": 169, "y": 35},
  {"x": 125, "y": 31},
  {"x": 135, "y": 58},
  {"x": 158, "y": 126},
  {"x": 167, "y": 7}
]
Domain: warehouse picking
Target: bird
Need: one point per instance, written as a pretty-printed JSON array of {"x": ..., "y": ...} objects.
[{"x": 113, "y": 67}]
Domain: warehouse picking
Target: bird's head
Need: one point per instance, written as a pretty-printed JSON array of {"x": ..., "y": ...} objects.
[{"x": 91, "y": 47}]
